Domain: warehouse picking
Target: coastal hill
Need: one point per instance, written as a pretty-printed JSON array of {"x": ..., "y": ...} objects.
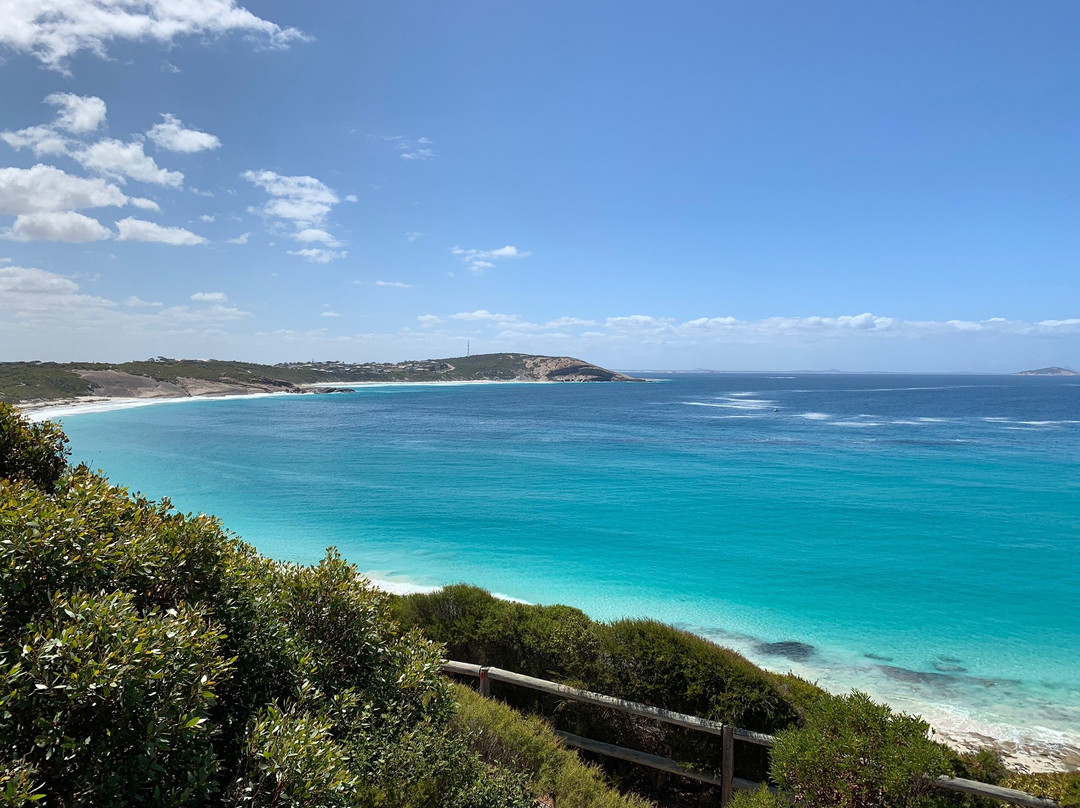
[
  {"x": 22, "y": 382},
  {"x": 1054, "y": 371}
]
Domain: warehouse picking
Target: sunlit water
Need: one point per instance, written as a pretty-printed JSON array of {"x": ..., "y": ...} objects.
[{"x": 917, "y": 535}]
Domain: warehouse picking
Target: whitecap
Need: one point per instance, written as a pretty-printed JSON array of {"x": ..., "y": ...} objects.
[
  {"x": 814, "y": 416},
  {"x": 731, "y": 403}
]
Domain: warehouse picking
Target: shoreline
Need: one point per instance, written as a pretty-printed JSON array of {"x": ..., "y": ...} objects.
[
  {"x": 1020, "y": 749},
  {"x": 58, "y": 408},
  {"x": 47, "y": 410}
]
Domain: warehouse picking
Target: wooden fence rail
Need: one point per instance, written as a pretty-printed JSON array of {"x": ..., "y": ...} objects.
[{"x": 728, "y": 735}]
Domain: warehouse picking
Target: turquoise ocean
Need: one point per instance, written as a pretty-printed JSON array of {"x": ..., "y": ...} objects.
[{"x": 916, "y": 537}]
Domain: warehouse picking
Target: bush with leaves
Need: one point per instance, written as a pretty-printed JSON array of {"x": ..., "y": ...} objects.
[
  {"x": 758, "y": 798},
  {"x": 28, "y": 451},
  {"x": 639, "y": 660},
  {"x": 109, "y": 701},
  {"x": 528, "y": 745},
  {"x": 854, "y": 753}
]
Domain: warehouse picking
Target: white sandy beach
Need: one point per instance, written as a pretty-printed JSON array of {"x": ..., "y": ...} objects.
[{"x": 47, "y": 410}]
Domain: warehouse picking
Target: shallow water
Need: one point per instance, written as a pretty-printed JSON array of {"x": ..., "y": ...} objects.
[{"x": 917, "y": 536}]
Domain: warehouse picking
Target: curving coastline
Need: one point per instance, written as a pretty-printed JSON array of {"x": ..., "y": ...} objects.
[{"x": 833, "y": 667}]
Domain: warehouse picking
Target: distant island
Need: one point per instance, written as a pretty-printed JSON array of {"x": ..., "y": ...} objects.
[
  {"x": 48, "y": 382},
  {"x": 1054, "y": 371}
]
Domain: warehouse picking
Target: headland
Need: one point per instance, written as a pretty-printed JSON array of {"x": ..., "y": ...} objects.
[{"x": 36, "y": 385}]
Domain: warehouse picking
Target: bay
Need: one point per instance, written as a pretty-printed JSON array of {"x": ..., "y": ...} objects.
[{"x": 917, "y": 536}]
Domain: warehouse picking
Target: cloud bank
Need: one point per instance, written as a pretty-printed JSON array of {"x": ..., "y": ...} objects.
[{"x": 53, "y": 31}]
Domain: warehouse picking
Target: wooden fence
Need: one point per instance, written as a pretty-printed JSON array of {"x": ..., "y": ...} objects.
[{"x": 727, "y": 782}]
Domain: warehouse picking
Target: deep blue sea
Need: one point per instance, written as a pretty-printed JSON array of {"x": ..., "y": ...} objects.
[{"x": 918, "y": 535}]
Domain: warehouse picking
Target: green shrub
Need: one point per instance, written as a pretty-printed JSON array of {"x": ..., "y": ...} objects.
[
  {"x": 33, "y": 452},
  {"x": 344, "y": 626},
  {"x": 528, "y": 745},
  {"x": 292, "y": 761},
  {"x": 639, "y": 660},
  {"x": 651, "y": 662},
  {"x": 759, "y": 798},
  {"x": 853, "y": 753},
  {"x": 20, "y": 784},
  {"x": 1061, "y": 786},
  {"x": 106, "y": 701}
]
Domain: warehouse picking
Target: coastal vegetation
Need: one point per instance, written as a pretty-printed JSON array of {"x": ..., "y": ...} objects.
[
  {"x": 163, "y": 377},
  {"x": 150, "y": 657},
  {"x": 831, "y": 750}
]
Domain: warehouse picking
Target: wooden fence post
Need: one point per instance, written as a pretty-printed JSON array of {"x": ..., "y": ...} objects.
[
  {"x": 485, "y": 683},
  {"x": 727, "y": 769}
]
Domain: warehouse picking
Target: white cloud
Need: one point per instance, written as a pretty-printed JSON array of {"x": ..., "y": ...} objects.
[
  {"x": 50, "y": 312},
  {"x": 118, "y": 160},
  {"x": 482, "y": 315},
  {"x": 67, "y": 226},
  {"x": 241, "y": 239},
  {"x": 210, "y": 297},
  {"x": 132, "y": 229},
  {"x": 41, "y": 140},
  {"x": 568, "y": 322},
  {"x": 409, "y": 148},
  {"x": 479, "y": 260},
  {"x": 329, "y": 314},
  {"x": 301, "y": 200},
  {"x": 507, "y": 252},
  {"x": 55, "y": 30},
  {"x": 793, "y": 332},
  {"x": 206, "y": 217},
  {"x": 78, "y": 114},
  {"x": 145, "y": 204},
  {"x": 171, "y": 135},
  {"x": 317, "y": 255},
  {"x": 395, "y": 284},
  {"x": 311, "y": 234},
  {"x": 46, "y": 188},
  {"x": 31, "y": 281},
  {"x": 303, "y": 203},
  {"x": 413, "y": 235}
]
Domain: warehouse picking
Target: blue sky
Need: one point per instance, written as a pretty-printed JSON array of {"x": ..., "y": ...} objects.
[{"x": 751, "y": 185}]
